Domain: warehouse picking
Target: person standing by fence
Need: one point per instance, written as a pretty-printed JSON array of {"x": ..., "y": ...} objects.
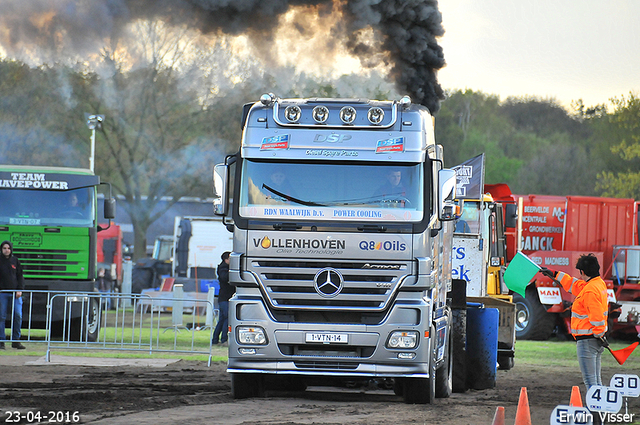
[
  {"x": 220, "y": 334},
  {"x": 104, "y": 286},
  {"x": 11, "y": 281}
]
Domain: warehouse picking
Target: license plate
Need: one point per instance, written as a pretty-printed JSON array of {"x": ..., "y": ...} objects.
[{"x": 327, "y": 338}]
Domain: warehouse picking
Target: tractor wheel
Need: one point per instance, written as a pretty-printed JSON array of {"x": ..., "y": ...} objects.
[
  {"x": 141, "y": 279},
  {"x": 532, "y": 319}
]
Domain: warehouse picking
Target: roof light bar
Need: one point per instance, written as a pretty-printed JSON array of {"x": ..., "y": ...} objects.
[{"x": 334, "y": 113}]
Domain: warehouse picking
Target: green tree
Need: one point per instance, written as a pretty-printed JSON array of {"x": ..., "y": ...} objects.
[
  {"x": 625, "y": 119},
  {"x": 561, "y": 169},
  {"x": 467, "y": 124}
]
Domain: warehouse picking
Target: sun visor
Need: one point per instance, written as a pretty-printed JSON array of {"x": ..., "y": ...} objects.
[{"x": 46, "y": 181}]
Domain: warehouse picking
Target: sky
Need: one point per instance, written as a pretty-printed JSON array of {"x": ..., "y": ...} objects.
[{"x": 562, "y": 49}]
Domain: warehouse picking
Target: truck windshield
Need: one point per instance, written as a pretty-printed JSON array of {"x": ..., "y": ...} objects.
[
  {"x": 163, "y": 248},
  {"x": 73, "y": 208},
  {"x": 469, "y": 221},
  {"x": 332, "y": 191}
]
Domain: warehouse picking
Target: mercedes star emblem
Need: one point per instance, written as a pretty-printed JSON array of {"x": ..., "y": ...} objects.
[{"x": 328, "y": 282}]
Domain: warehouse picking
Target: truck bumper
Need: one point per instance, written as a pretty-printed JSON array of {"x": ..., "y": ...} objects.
[
  {"x": 364, "y": 354},
  {"x": 38, "y": 293}
]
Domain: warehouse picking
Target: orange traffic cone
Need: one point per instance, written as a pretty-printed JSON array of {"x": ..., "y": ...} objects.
[
  {"x": 576, "y": 399},
  {"x": 523, "y": 415},
  {"x": 498, "y": 418}
]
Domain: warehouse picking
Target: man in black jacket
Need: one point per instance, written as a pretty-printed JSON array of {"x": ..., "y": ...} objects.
[
  {"x": 11, "y": 285},
  {"x": 220, "y": 334}
]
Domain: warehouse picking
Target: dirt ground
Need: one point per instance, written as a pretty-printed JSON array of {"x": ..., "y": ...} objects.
[{"x": 108, "y": 391}]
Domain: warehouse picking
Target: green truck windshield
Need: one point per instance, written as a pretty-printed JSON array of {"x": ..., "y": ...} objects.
[
  {"x": 71, "y": 208},
  {"x": 332, "y": 191}
]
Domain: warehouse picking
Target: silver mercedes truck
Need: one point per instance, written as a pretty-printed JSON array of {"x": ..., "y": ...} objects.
[{"x": 341, "y": 217}]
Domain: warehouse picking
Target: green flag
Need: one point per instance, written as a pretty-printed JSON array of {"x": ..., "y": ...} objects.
[{"x": 519, "y": 273}]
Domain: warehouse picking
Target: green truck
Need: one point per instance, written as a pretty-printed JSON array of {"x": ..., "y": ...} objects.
[{"x": 50, "y": 215}]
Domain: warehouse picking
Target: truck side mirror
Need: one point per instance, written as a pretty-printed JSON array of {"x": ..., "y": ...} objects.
[
  {"x": 110, "y": 208},
  {"x": 446, "y": 194},
  {"x": 221, "y": 189},
  {"x": 510, "y": 215}
]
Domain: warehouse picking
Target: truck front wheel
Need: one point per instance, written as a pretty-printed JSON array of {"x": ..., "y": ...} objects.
[
  {"x": 247, "y": 385},
  {"x": 419, "y": 390},
  {"x": 423, "y": 390},
  {"x": 86, "y": 328},
  {"x": 444, "y": 374},
  {"x": 532, "y": 319}
]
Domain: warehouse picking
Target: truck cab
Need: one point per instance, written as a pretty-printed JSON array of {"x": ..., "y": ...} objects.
[
  {"x": 49, "y": 214},
  {"x": 341, "y": 257}
]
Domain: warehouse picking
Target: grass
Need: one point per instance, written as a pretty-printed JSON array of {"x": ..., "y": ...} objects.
[
  {"x": 140, "y": 329},
  {"x": 39, "y": 349},
  {"x": 563, "y": 353},
  {"x": 132, "y": 335}
]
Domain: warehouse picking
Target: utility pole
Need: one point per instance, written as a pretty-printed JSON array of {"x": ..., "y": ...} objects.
[{"x": 93, "y": 122}]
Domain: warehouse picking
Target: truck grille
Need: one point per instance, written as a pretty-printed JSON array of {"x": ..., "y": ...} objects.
[
  {"x": 326, "y": 365},
  {"x": 367, "y": 286},
  {"x": 315, "y": 351},
  {"x": 47, "y": 262}
]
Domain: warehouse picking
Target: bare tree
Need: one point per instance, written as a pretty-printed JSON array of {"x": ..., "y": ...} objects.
[{"x": 156, "y": 141}]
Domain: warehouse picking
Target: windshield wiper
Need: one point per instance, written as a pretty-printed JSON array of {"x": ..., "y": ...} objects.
[
  {"x": 287, "y": 226},
  {"x": 291, "y": 198},
  {"x": 372, "y": 228}
]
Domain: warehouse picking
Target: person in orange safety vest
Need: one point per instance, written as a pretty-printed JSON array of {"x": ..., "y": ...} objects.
[{"x": 588, "y": 315}]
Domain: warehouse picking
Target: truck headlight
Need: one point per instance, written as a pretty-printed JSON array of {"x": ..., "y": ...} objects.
[
  {"x": 251, "y": 335},
  {"x": 403, "y": 339},
  {"x": 76, "y": 299}
]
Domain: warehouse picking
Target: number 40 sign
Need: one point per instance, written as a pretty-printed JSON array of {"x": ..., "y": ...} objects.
[
  {"x": 603, "y": 399},
  {"x": 609, "y": 399}
]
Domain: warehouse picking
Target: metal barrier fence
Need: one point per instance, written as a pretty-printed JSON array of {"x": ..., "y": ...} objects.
[{"x": 169, "y": 322}]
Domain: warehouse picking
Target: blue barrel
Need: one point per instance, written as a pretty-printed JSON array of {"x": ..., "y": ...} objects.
[{"x": 482, "y": 346}]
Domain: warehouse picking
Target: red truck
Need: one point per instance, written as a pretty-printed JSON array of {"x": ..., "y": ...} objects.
[
  {"x": 554, "y": 231},
  {"x": 109, "y": 251}
]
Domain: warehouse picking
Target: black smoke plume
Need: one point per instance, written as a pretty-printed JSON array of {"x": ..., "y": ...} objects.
[{"x": 401, "y": 34}]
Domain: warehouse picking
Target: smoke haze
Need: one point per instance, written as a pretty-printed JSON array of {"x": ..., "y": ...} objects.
[{"x": 399, "y": 35}]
